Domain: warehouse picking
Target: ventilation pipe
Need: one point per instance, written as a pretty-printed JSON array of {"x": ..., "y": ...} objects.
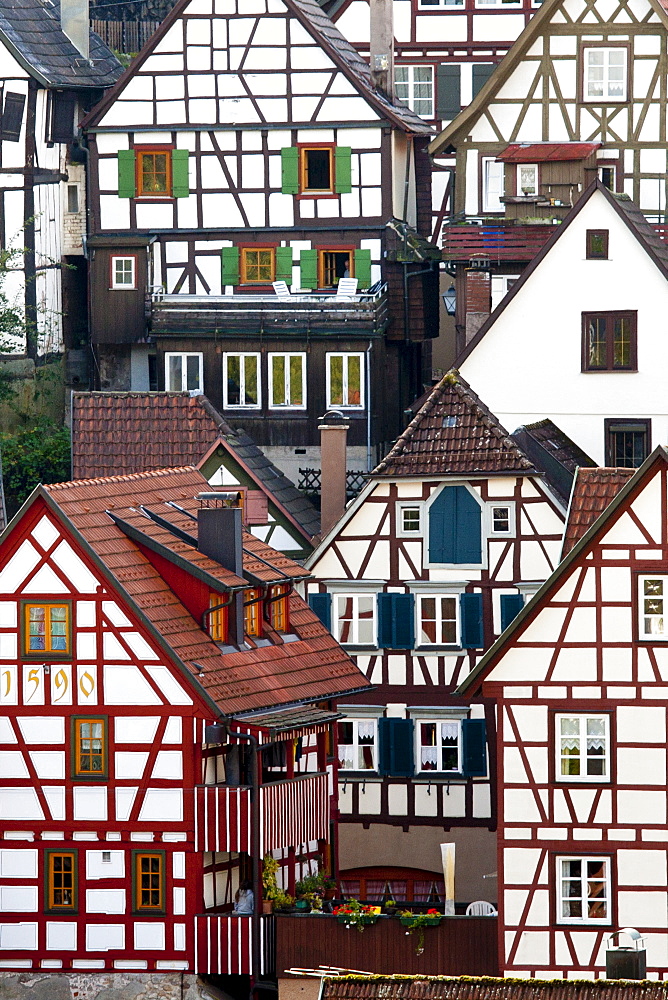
[
  {"x": 333, "y": 429},
  {"x": 382, "y": 46}
]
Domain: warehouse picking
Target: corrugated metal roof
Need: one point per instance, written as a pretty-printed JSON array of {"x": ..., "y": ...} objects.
[
  {"x": 121, "y": 432},
  {"x": 282, "y": 673},
  {"x": 592, "y": 492},
  {"x": 465, "y": 988},
  {"x": 453, "y": 433},
  {"x": 541, "y": 152}
]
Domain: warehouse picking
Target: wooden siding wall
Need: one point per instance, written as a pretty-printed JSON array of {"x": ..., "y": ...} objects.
[{"x": 117, "y": 316}]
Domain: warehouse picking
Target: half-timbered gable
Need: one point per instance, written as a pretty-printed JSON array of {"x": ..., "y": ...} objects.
[
  {"x": 424, "y": 570},
  {"x": 581, "y": 71},
  {"x": 146, "y": 644},
  {"x": 599, "y": 337},
  {"x": 117, "y": 433},
  {"x": 50, "y": 75},
  {"x": 241, "y": 150},
  {"x": 579, "y": 681}
]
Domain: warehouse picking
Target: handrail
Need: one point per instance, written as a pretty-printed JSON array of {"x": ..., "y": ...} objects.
[
  {"x": 270, "y": 300},
  {"x": 297, "y": 777}
]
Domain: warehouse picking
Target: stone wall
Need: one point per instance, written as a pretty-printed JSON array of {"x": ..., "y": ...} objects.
[{"x": 103, "y": 986}]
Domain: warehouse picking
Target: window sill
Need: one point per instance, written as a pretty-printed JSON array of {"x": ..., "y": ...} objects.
[
  {"x": 351, "y": 648},
  {"x": 439, "y": 777},
  {"x": 358, "y": 776},
  {"x": 608, "y": 371},
  {"x": 438, "y": 649}
]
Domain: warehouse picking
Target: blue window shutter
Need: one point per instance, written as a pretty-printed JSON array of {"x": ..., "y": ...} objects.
[
  {"x": 385, "y": 609},
  {"x": 395, "y": 747},
  {"x": 322, "y": 605},
  {"x": 396, "y": 621},
  {"x": 474, "y": 758},
  {"x": 468, "y": 520},
  {"x": 511, "y": 605},
  {"x": 442, "y": 519},
  {"x": 470, "y": 608}
]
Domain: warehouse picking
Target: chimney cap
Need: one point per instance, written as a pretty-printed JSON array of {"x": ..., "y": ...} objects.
[{"x": 333, "y": 418}]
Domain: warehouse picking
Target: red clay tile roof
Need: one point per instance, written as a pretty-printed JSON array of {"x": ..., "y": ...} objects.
[
  {"x": 592, "y": 492},
  {"x": 541, "y": 152},
  {"x": 115, "y": 433},
  {"x": 314, "y": 667},
  {"x": 453, "y": 434},
  {"x": 354, "y": 987}
]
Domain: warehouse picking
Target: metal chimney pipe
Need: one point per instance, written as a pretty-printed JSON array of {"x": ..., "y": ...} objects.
[
  {"x": 75, "y": 22},
  {"x": 333, "y": 429},
  {"x": 219, "y": 536},
  {"x": 381, "y": 48}
]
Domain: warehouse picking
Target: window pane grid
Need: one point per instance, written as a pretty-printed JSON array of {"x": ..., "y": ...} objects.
[
  {"x": 183, "y": 372},
  {"x": 48, "y": 628},
  {"x": 357, "y": 745},
  {"x": 414, "y": 85},
  {"x": 438, "y": 620},
  {"x": 149, "y": 882},
  {"x": 61, "y": 877},
  {"x": 355, "y": 619},
  {"x": 584, "y": 889},
  {"x": 154, "y": 173},
  {"x": 583, "y": 746},
  {"x": 90, "y": 741},
  {"x": 258, "y": 266},
  {"x": 605, "y": 74},
  {"x": 345, "y": 380},
  {"x": 242, "y": 380},
  {"x": 652, "y": 596},
  {"x": 287, "y": 379},
  {"x": 439, "y": 744}
]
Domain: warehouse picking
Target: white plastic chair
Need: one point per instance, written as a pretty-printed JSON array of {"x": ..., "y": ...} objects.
[
  {"x": 346, "y": 286},
  {"x": 281, "y": 289},
  {"x": 480, "y": 908}
]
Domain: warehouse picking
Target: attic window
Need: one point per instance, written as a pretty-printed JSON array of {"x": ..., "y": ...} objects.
[
  {"x": 597, "y": 244},
  {"x": 449, "y": 421}
]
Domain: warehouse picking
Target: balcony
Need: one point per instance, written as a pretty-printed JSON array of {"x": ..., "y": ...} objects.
[
  {"x": 364, "y": 314},
  {"x": 497, "y": 243},
  {"x": 224, "y": 944}
]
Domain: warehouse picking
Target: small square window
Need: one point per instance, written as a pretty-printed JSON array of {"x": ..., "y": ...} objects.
[
  {"x": 439, "y": 746},
  {"x": 652, "y": 596},
  {"x": 501, "y": 519},
  {"x": 609, "y": 341},
  {"x": 47, "y": 629},
  {"x": 597, "y": 244},
  {"x": 583, "y": 748},
  {"x": 184, "y": 372},
  {"x": 438, "y": 620},
  {"x": 123, "y": 272},
  {"x": 627, "y": 443},
  {"x": 409, "y": 519},
  {"x": 89, "y": 747},
  {"x": 258, "y": 265},
  {"x": 316, "y": 169},
  {"x": 154, "y": 173},
  {"x": 355, "y": 619},
  {"x": 605, "y": 73},
  {"x": 357, "y": 744},
  {"x": 583, "y": 890},
  {"x": 527, "y": 179}
]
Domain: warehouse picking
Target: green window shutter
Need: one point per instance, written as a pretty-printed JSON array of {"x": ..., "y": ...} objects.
[
  {"x": 321, "y": 604},
  {"x": 308, "y": 264},
  {"x": 284, "y": 264},
  {"x": 230, "y": 264},
  {"x": 290, "y": 170},
  {"x": 511, "y": 605},
  {"x": 474, "y": 758},
  {"x": 180, "y": 185},
  {"x": 448, "y": 91},
  {"x": 395, "y": 747},
  {"x": 470, "y": 606},
  {"x": 126, "y": 173},
  {"x": 481, "y": 74},
  {"x": 363, "y": 268},
  {"x": 342, "y": 179}
]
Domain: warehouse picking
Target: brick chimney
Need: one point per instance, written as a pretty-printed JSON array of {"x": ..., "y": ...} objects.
[
  {"x": 381, "y": 47},
  {"x": 333, "y": 429},
  {"x": 75, "y": 22},
  {"x": 478, "y": 300},
  {"x": 219, "y": 536}
]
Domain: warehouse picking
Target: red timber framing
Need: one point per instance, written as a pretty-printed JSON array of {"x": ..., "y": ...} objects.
[
  {"x": 579, "y": 681},
  {"x": 121, "y": 830}
]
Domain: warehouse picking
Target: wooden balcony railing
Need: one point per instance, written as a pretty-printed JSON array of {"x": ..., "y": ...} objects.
[
  {"x": 224, "y": 944},
  {"x": 459, "y": 946},
  {"x": 497, "y": 243}
]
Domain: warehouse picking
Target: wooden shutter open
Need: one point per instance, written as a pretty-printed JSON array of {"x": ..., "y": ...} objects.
[
  {"x": 511, "y": 605},
  {"x": 12, "y": 116},
  {"x": 468, "y": 527},
  {"x": 396, "y": 621},
  {"x": 126, "y": 173},
  {"x": 180, "y": 182},
  {"x": 481, "y": 74},
  {"x": 284, "y": 264},
  {"x": 470, "y": 608},
  {"x": 474, "y": 741},
  {"x": 321, "y": 605},
  {"x": 229, "y": 257},
  {"x": 308, "y": 268},
  {"x": 290, "y": 170},
  {"x": 396, "y": 755},
  {"x": 363, "y": 268},
  {"x": 342, "y": 169},
  {"x": 448, "y": 91},
  {"x": 62, "y": 105}
]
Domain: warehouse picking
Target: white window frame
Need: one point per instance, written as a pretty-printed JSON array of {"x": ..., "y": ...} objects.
[
  {"x": 536, "y": 173},
  {"x": 489, "y": 511},
  {"x": 426, "y": 5},
  {"x": 355, "y": 621},
  {"x": 497, "y": 205},
  {"x": 584, "y": 896},
  {"x": 242, "y": 373},
  {"x": 582, "y": 778},
  {"x": 346, "y": 355},
  {"x": 604, "y": 98},
  {"x": 273, "y": 405},
  {"x": 434, "y": 720},
  {"x": 642, "y": 614},
  {"x": 412, "y": 84},
  {"x": 601, "y": 166},
  {"x": 403, "y": 505},
  {"x": 501, "y": 285},
  {"x": 498, "y": 3},
  {"x": 124, "y": 285},
  {"x": 356, "y": 744},
  {"x": 426, "y": 595},
  {"x": 184, "y": 370}
]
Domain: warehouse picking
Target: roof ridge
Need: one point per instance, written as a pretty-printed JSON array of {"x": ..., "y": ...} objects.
[{"x": 128, "y": 476}]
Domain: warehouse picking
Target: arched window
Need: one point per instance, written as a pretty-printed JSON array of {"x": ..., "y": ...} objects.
[{"x": 455, "y": 527}]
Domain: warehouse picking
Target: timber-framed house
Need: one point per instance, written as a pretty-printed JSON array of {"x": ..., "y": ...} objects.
[
  {"x": 242, "y": 149},
  {"x": 579, "y": 683},
  {"x": 52, "y": 70},
  {"x": 426, "y": 567},
  {"x": 163, "y": 728}
]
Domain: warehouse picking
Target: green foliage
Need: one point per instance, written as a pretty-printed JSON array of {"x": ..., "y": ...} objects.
[{"x": 39, "y": 454}]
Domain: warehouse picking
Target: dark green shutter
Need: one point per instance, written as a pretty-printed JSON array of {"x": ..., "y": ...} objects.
[
  {"x": 396, "y": 621},
  {"x": 470, "y": 608},
  {"x": 126, "y": 173},
  {"x": 511, "y": 605},
  {"x": 363, "y": 268},
  {"x": 474, "y": 758},
  {"x": 448, "y": 91},
  {"x": 230, "y": 263},
  {"x": 342, "y": 175},
  {"x": 321, "y": 604},
  {"x": 308, "y": 265},
  {"x": 284, "y": 264},
  {"x": 290, "y": 170},
  {"x": 455, "y": 527},
  {"x": 180, "y": 182},
  {"x": 395, "y": 747},
  {"x": 481, "y": 74}
]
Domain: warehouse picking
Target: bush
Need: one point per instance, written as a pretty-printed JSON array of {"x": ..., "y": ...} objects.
[{"x": 40, "y": 454}]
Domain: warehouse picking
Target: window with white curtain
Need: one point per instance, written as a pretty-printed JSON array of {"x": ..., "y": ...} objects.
[
  {"x": 439, "y": 745},
  {"x": 583, "y": 748}
]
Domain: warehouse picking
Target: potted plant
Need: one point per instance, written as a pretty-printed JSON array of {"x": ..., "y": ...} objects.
[
  {"x": 270, "y": 889},
  {"x": 283, "y": 902},
  {"x": 418, "y": 922},
  {"x": 352, "y": 913},
  {"x": 390, "y": 907}
]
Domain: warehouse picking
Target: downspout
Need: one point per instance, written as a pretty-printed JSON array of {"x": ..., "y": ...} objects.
[
  {"x": 367, "y": 356},
  {"x": 29, "y": 264},
  {"x": 256, "y": 923}
]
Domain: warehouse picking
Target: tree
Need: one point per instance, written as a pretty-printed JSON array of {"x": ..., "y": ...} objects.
[{"x": 39, "y": 454}]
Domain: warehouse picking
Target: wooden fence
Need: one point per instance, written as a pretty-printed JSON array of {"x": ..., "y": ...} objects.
[{"x": 125, "y": 36}]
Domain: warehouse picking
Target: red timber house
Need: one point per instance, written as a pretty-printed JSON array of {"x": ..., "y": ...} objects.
[
  {"x": 579, "y": 680},
  {"x": 166, "y": 715},
  {"x": 455, "y": 528}
]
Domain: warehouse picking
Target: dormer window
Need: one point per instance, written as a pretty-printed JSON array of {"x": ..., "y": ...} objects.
[
  {"x": 252, "y": 617},
  {"x": 217, "y": 619},
  {"x": 276, "y": 608}
]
